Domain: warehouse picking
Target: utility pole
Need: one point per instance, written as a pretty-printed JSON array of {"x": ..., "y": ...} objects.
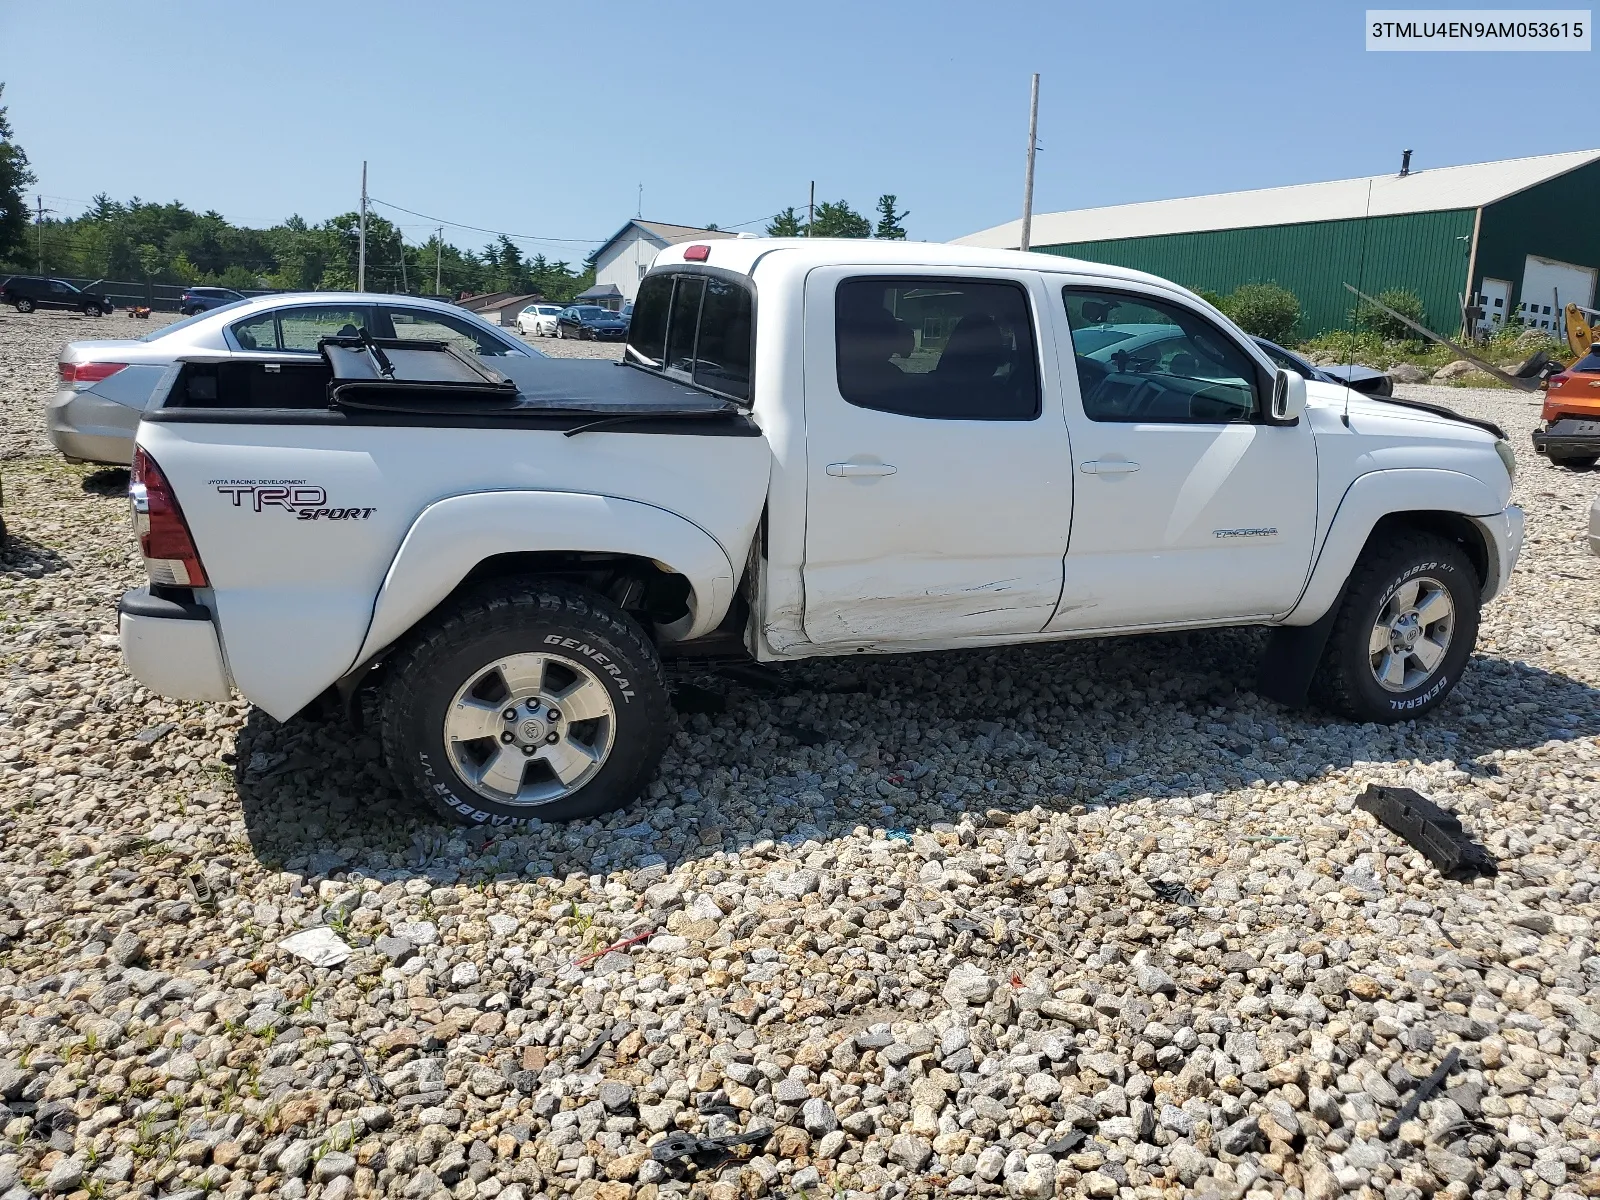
[
  {"x": 38, "y": 233},
  {"x": 1027, "y": 182},
  {"x": 405, "y": 286},
  {"x": 639, "y": 212},
  {"x": 438, "y": 262},
  {"x": 811, "y": 208},
  {"x": 361, "y": 256}
]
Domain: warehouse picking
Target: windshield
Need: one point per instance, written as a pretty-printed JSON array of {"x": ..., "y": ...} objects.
[{"x": 156, "y": 334}]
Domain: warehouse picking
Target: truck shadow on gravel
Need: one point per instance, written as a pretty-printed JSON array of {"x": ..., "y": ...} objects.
[
  {"x": 897, "y": 744},
  {"x": 21, "y": 555},
  {"x": 109, "y": 481}
]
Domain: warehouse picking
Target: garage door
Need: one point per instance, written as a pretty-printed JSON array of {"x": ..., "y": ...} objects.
[{"x": 1548, "y": 286}]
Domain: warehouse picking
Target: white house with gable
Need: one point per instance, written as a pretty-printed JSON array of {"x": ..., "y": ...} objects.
[{"x": 622, "y": 261}]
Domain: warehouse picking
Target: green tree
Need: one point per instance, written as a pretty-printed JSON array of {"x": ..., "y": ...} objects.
[
  {"x": 1264, "y": 310},
  {"x": 888, "y": 220},
  {"x": 14, "y": 178},
  {"x": 838, "y": 219},
  {"x": 786, "y": 224},
  {"x": 1371, "y": 319}
]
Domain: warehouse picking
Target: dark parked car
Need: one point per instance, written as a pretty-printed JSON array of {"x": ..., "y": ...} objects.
[
  {"x": 204, "y": 299},
  {"x": 1357, "y": 378},
  {"x": 28, "y": 292},
  {"x": 593, "y": 322}
]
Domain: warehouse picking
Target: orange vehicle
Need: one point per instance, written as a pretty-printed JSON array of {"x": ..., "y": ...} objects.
[{"x": 1571, "y": 433}]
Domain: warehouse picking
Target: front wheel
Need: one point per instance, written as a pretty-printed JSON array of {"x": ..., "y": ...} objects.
[
  {"x": 1404, "y": 632},
  {"x": 534, "y": 701}
]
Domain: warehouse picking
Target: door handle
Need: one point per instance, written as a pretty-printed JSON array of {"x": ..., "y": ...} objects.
[
  {"x": 1108, "y": 467},
  {"x": 854, "y": 470}
]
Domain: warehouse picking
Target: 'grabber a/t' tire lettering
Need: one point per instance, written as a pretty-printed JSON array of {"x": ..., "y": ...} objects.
[
  {"x": 512, "y": 617},
  {"x": 1345, "y": 681}
]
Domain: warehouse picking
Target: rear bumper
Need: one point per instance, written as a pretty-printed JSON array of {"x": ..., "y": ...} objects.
[
  {"x": 1568, "y": 439},
  {"x": 91, "y": 428},
  {"x": 171, "y": 647}
]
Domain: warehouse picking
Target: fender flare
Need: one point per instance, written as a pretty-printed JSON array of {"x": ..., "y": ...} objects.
[
  {"x": 1370, "y": 498},
  {"x": 450, "y": 537}
]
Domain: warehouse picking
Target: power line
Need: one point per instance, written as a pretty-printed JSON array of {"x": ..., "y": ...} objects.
[{"x": 521, "y": 237}]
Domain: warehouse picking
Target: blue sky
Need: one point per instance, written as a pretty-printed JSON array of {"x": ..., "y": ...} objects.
[{"x": 543, "y": 118}]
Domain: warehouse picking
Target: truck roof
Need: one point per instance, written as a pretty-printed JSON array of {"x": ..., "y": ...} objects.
[{"x": 743, "y": 254}]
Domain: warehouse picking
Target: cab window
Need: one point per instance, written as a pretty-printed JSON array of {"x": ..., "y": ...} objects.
[
  {"x": 1140, "y": 359},
  {"x": 955, "y": 349}
]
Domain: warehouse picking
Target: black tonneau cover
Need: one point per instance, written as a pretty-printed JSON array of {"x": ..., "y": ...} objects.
[{"x": 393, "y": 375}]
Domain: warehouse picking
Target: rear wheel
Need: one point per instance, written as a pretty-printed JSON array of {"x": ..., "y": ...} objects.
[
  {"x": 1404, "y": 632},
  {"x": 1580, "y": 463},
  {"x": 24, "y": 305},
  {"x": 538, "y": 701}
]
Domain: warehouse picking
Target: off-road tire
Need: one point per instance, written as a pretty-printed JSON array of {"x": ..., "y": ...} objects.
[
  {"x": 24, "y": 305},
  {"x": 1344, "y": 681},
  {"x": 515, "y": 617}
]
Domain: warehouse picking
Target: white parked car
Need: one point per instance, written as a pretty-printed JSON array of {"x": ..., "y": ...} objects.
[
  {"x": 901, "y": 450},
  {"x": 539, "y": 320},
  {"x": 105, "y": 385}
]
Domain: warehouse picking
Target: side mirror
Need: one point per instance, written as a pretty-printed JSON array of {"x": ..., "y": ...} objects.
[{"x": 1288, "y": 397}]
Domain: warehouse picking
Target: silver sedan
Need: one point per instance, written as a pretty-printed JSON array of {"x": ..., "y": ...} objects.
[{"x": 105, "y": 386}]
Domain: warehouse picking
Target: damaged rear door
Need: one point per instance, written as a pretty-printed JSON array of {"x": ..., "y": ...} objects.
[{"x": 938, "y": 485}]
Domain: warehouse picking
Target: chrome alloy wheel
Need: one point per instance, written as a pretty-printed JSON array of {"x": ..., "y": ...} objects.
[
  {"x": 1412, "y": 634},
  {"x": 530, "y": 729}
]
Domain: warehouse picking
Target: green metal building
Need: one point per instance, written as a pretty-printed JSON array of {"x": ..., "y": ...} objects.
[{"x": 1520, "y": 238}]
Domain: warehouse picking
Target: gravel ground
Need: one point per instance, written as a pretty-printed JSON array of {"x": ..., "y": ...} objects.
[
  {"x": 571, "y": 348},
  {"x": 1089, "y": 919}
]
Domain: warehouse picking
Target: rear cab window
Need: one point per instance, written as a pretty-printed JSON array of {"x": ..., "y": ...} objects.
[{"x": 697, "y": 326}]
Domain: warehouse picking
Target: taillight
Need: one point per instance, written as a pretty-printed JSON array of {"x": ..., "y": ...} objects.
[
  {"x": 170, "y": 557},
  {"x": 1556, "y": 381},
  {"x": 87, "y": 372}
]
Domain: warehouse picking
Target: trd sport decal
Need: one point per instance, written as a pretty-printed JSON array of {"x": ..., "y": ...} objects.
[{"x": 307, "y": 501}]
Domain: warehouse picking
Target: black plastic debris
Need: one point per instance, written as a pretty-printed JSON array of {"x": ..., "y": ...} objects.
[
  {"x": 1067, "y": 1144},
  {"x": 1424, "y": 1089},
  {"x": 805, "y": 735},
  {"x": 1173, "y": 893},
  {"x": 1430, "y": 829},
  {"x": 681, "y": 1151},
  {"x": 585, "y": 1056}
]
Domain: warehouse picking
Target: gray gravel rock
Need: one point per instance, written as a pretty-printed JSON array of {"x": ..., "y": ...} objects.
[{"x": 900, "y": 911}]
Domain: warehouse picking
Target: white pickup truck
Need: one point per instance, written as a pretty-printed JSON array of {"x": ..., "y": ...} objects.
[{"x": 813, "y": 448}]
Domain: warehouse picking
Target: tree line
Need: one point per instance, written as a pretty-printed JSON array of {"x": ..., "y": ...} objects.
[
  {"x": 835, "y": 218},
  {"x": 171, "y": 243}
]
